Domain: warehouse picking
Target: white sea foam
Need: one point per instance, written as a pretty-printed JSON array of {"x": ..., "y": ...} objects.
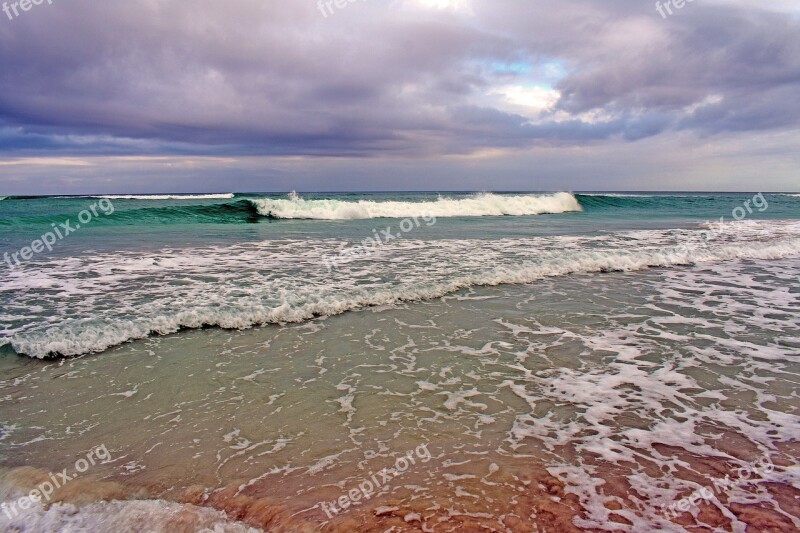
[
  {"x": 735, "y": 316},
  {"x": 113, "y": 298},
  {"x": 166, "y": 196},
  {"x": 140, "y": 515},
  {"x": 484, "y": 204}
]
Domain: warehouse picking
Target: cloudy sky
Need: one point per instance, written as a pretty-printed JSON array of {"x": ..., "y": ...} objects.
[{"x": 267, "y": 95}]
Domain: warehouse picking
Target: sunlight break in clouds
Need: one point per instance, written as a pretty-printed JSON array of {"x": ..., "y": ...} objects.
[
  {"x": 461, "y": 6},
  {"x": 528, "y": 99}
]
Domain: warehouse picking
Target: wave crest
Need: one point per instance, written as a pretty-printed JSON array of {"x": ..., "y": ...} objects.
[{"x": 484, "y": 204}]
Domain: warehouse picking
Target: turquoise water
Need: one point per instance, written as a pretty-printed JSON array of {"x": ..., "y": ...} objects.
[{"x": 136, "y": 222}]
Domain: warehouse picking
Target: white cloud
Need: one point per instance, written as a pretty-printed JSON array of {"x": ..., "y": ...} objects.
[
  {"x": 714, "y": 99},
  {"x": 461, "y": 6},
  {"x": 527, "y": 100}
]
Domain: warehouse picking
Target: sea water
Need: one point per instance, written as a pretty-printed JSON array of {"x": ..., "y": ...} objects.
[{"x": 571, "y": 361}]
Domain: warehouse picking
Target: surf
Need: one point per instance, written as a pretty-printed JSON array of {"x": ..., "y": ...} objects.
[
  {"x": 479, "y": 205},
  {"x": 436, "y": 270}
]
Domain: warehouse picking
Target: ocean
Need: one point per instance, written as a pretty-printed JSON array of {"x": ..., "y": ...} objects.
[{"x": 401, "y": 361}]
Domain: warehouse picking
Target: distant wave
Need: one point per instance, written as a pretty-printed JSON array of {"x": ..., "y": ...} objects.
[
  {"x": 623, "y": 195},
  {"x": 26, "y": 197},
  {"x": 236, "y": 212},
  {"x": 232, "y": 212},
  {"x": 479, "y": 205},
  {"x": 225, "y": 196}
]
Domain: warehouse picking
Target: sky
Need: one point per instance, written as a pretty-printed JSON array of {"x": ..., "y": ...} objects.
[{"x": 388, "y": 95}]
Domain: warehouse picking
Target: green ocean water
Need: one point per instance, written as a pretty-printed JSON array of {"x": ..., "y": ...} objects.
[{"x": 208, "y": 218}]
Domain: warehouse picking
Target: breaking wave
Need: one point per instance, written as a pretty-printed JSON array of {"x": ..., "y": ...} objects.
[
  {"x": 484, "y": 204},
  {"x": 252, "y": 208},
  {"x": 237, "y": 309}
]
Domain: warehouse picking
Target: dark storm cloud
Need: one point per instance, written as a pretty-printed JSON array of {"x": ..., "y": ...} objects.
[{"x": 384, "y": 78}]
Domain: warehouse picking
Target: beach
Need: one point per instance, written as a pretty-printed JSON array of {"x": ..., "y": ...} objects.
[{"x": 403, "y": 362}]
